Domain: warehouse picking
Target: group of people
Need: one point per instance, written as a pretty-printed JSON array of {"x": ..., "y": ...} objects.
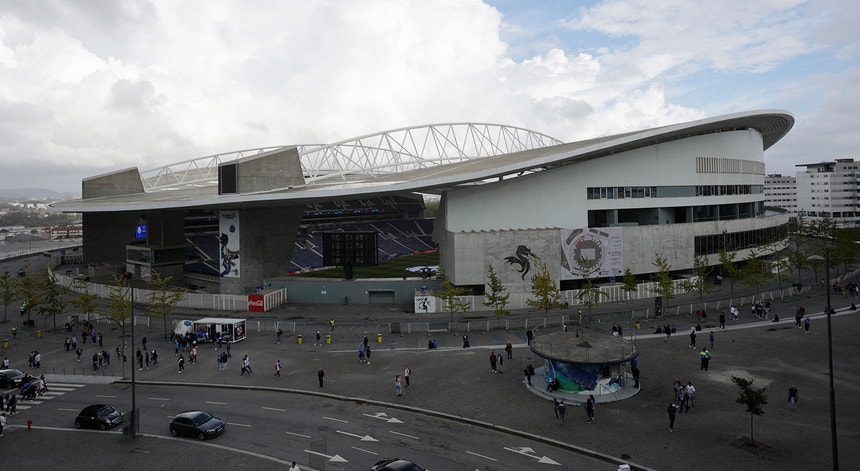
[{"x": 560, "y": 409}]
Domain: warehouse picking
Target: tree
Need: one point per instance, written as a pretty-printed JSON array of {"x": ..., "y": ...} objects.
[
  {"x": 756, "y": 272},
  {"x": 451, "y": 297},
  {"x": 664, "y": 286},
  {"x": 698, "y": 283},
  {"x": 30, "y": 290},
  {"x": 589, "y": 293},
  {"x": 85, "y": 301},
  {"x": 498, "y": 297},
  {"x": 546, "y": 293},
  {"x": 727, "y": 263},
  {"x": 8, "y": 292},
  {"x": 629, "y": 283},
  {"x": 53, "y": 301},
  {"x": 163, "y": 299},
  {"x": 752, "y": 398},
  {"x": 119, "y": 308}
]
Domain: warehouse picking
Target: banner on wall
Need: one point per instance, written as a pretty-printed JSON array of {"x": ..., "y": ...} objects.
[
  {"x": 591, "y": 252},
  {"x": 228, "y": 225}
]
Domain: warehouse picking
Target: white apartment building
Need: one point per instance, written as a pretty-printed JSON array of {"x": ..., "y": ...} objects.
[
  {"x": 780, "y": 191},
  {"x": 829, "y": 189}
]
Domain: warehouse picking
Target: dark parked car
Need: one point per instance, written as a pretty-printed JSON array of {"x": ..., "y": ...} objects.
[
  {"x": 12, "y": 378},
  {"x": 396, "y": 464},
  {"x": 196, "y": 424},
  {"x": 100, "y": 416}
]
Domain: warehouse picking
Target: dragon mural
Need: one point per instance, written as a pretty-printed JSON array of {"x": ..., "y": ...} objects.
[{"x": 521, "y": 259}]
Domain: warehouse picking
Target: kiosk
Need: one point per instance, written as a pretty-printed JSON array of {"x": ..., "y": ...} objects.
[{"x": 209, "y": 329}]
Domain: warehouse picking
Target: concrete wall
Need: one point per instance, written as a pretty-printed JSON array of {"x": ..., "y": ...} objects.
[
  {"x": 270, "y": 171},
  {"x": 107, "y": 235},
  {"x": 316, "y": 291}
]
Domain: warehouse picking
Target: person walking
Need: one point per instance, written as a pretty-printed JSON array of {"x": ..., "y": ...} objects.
[
  {"x": 635, "y": 372},
  {"x": 154, "y": 358},
  {"x": 361, "y": 353},
  {"x": 589, "y": 408},
  {"x": 668, "y": 332},
  {"x": 692, "y": 337},
  {"x": 493, "y": 361},
  {"x": 181, "y": 363},
  {"x": 2, "y": 422},
  {"x": 806, "y": 325},
  {"x": 501, "y": 360},
  {"x": 294, "y": 467},
  {"x": 510, "y": 350},
  {"x": 793, "y": 396},
  {"x": 246, "y": 365},
  {"x": 139, "y": 357},
  {"x": 279, "y": 333},
  {"x": 406, "y": 374},
  {"x": 331, "y": 324},
  {"x": 689, "y": 397},
  {"x": 398, "y": 386},
  {"x": 320, "y": 376},
  {"x": 673, "y": 409},
  {"x": 561, "y": 411},
  {"x": 466, "y": 341},
  {"x": 367, "y": 352},
  {"x": 277, "y": 369},
  {"x": 318, "y": 342},
  {"x": 722, "y": 320}
]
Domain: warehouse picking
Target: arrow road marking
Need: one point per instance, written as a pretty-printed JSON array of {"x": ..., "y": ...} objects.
[
  {"x": 366, "y": 438},
  {"x": 335, "y": 458},
  {"x": 384, "y": 416},
  {"x": 528, "y": 451}
]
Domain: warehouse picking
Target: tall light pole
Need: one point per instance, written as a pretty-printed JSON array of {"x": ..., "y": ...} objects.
[
  {"x": 134, "y": 413},
  {"x": 827, "y": 287}
]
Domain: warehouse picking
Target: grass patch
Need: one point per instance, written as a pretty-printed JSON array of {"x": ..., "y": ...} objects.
[{"x": 395, "y": 268}]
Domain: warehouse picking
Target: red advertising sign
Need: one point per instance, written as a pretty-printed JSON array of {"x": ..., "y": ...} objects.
[{"x": 256, "y": 303}]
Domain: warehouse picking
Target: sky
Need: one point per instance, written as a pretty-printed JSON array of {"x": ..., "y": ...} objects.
[{"x": 89, "y": 87}]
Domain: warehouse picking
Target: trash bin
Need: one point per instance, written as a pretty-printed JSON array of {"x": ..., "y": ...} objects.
[
  {"x": 38, "y": 334},
  {"x": 299, "y": 338},
  {"x": 328, "y": 339},
  {"x": 637, "y": 325},
  {"x": 5, "y": 343},
  {"x": 378, "y": 338}
]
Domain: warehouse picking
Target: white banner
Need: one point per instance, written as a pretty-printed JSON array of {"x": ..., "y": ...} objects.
[
  {"x": 591, "y": 252},
  {"x": 229, "y": 243}
]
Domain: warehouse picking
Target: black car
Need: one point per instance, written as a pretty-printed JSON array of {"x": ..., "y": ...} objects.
[
  {"x": 100, "y": 416},
  {"x": 396, "y": 464},
  {"x": 12, "y": 378},
  {"x": 196, "y": 423}
]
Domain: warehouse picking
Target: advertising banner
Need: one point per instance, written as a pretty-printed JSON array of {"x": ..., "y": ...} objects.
[
  {"x": 256, "y": 302},
  {"x": 591, "y": 253},
  {"x": 229, "y": 243}
]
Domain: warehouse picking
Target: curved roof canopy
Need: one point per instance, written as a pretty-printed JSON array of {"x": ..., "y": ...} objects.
[{"x": 425, "y": 159}]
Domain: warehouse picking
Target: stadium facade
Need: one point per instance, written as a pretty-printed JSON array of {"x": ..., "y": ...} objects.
[{"x": 509, "y": 197}]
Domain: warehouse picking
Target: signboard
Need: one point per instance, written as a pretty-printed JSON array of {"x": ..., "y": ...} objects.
[
  {"x": 256, "y": 303},
  {"x": 228, "y": 257}
]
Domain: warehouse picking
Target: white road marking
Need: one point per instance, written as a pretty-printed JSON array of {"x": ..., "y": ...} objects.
[
  {"x": 404, "y": 435},
  {"x": 158, "y": 398},
  {"x": 334, "y": 458},
  {"x": 528, "y": 451},
  {"x": 298, "y": 434},
  {"x": 365, "y": 451},
  {"x": 481, "y": 456},
  {"x": 240, "y": 425},
  {"x": 275, "y": 409},
  {"x": 336, "y": 420},
  {"x": 68, "y": 410},
  {"x": 366, "y": 438},
  {"x": 384, "y": 416},
  {"x": 105, "y": 395},
  {"x": 216, "y": 403}
]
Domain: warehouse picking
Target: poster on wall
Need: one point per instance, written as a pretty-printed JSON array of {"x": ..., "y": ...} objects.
[
  {"x": 591, "y": 252},
  {"x": 228, "y": 238}
]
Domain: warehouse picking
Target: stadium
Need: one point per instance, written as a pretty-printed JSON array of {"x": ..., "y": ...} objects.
[{"x": 239, "y": 222}]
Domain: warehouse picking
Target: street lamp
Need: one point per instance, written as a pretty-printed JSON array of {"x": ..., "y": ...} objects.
[
  {"x": 834, "y": 449},
  {"x": 134, "y": 412}
]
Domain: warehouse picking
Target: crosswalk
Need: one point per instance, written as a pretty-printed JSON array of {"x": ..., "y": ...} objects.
[{"x": 54, "y": 390}]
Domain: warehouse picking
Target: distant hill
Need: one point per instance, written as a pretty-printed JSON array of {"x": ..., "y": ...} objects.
[{"x": 16, "y": 194}]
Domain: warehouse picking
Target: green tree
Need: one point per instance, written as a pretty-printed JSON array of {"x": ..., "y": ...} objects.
[
  {"x": 756, "y": 272},
  {"x": 546, "y": 293},
  {"x": 589, "y": 293},
  {"x": 118, "y": 308},
  {"x": 728, "y": 265},
  {"x": 497, "y": 299},
  {"x": 698, "y": 283},
  {"x": 30, "y": 291},
  {"x": 86, "y": 301},
  {"x": 662, "y": 279},
  {"x": 53, "y": 301},
  {"x": 629, "y": 283},
  {"x": 8, "y": 292},
  {"x": 752, "y": 398},
  {"x": 451, "y": 297},
  {"x": 162, "y": 301}
]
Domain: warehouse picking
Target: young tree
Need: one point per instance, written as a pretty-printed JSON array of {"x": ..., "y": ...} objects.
[
  {"x": 8, "y": 292},
  {"x": 498, "y": 295},
  {"x": 162, "y": 301},
  {"x": 756, "y": 272},
  {"x": 546, "y": 293},
  {"x": 665, "y": 287},
  {"x": 698, "y": 283},
  {"x": 629, "y": 283},
  {"x": 86, "y": 301},
  {"x": 752, "y": 398},
  {"x": 451, "y": 297},
  {"x": 119, "y": 308},
  {"x": 53, "y": 301},
  {"x": 30, "y": 290},
  {"x": 728, "y": 265},
  {"x": 589, "y": 293}
]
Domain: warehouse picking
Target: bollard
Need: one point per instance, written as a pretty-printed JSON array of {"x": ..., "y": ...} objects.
[
  {"x": 299, "y": 338},
  {"x": 5, "y": 343},
  {"x": 328, "y": 339},
  {"x": 38, "y": 334},
  {"x": 378, "y": 338},
  {"x": 29, "y": 424}
]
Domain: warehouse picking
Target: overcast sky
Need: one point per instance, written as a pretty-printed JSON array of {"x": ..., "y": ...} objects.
[{"x": 93, "y": 86}]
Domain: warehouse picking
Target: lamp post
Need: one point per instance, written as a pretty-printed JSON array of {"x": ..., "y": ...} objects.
[
  {"x": 134, "y": 412},
  {"x": 834, "y": 448}
]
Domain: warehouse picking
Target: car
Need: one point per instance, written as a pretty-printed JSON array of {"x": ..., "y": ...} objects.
[
  {"x": 100, "y": 416},
  {"x": 396, "y": 464},
  {"x": 12, "y": 378},
  {"x": 198, "y": 424}
]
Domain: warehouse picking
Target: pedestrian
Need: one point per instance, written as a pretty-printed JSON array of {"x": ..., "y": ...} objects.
[
  {"x": 154, "y": 357},
  {"x": 74, "y": 342},
  {"x": 139, "y": 357},
  {"x": 67, "y": 344},
  {"x": 722, "y": 320},
  {"x": 501, "y": 360},
  {"x": 555, "y": 406},
  {"x": 562, "y": 411},
  {"x": 12, "y": 401},
  {"x": 79, "y": 352},
  {"x": 527, "y": 377},
  {"x": 279, "y": 333},
  {"x": 673, "y": 408},
  {"x": 493, "y": 361},
  {"x": 6, "y": 363},
  {"x": 218, "y": 361},
  {"x": 510, "y": 350},
  {"x": 146, "y": 360},
  {"x": 361, "y": 353},
  {"x": 320, "y": 375},
  {"x": 2, "y": 422},
  {"x": 589, "y": 408},
  {"x": 101, "y": 340},
  {"x": 228, "y": 350},
  {"x": 793, "y": 396},
  {"x": 692, "y": 337},
  {"x": 466, "y": 341},
  {"x": 318, "y": 343},
  {"x": 246, "y": 365},
  {"x": 176, "y": 346},
  {"x": 365, "y": 342},
  {"x": 690, "y": 396},
  {"x": 406, "y": 374},
  {"x": 705, "y": 357},
  {"x": 181, "y": 363},
  {"x": 398, "y": 386},
  {"x": 367, "y": 352},
  {"x": 331, "y": 324},
  {"x": 294, "y": 467},
  {"x": 529, "y": 336},
  {"x": 711, "y": 338},
  {"x": 635, "y": 372},
  {"x": 668, "y": 332},
  {"x": 806, "y": 325},
  {"x": 95, "y": 360},
  {"x": 277, "y": 369}
]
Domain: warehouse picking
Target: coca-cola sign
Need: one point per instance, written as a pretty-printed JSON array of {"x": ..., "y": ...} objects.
[{"x": 256, "y": 302}]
